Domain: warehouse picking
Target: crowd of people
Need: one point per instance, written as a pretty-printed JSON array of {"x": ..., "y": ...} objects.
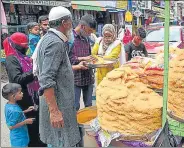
[{"x": 44, "y": 91}]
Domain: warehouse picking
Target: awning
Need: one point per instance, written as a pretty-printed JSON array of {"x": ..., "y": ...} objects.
[
  {"x": 87, "y": 5},
  {"x": 39, "y": 2},
  {"x": 83, "y": 7},
  {"x": 115, "y": 10}
]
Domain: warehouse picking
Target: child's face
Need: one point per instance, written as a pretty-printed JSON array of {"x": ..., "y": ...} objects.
[
  {"x": 19, "y": 95},
  {"x": 35, "y": 30}
]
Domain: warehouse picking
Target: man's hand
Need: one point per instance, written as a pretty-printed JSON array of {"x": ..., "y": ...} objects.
[
  {"x": 88, "y": 59},
  {"x": 82, "y": 65},
  {"x": 56, "y": 119}
]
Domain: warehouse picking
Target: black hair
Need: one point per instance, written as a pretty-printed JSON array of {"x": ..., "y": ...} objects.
[
  {"x": 42, "y": 18},
  {"x": 10, "y": 89},
  {"x": 31, "y": 25},
  {"x": 88, "y": 20},
  {"x": 141, "y": 32}
]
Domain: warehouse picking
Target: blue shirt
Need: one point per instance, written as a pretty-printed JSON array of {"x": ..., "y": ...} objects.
[
  {"x": 71, "y": 41},
  {"x": 19, "y": 136},
  {"x": 33, "y": 41}
]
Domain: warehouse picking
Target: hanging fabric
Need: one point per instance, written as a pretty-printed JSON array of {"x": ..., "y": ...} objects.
[
  {"x": 128, "y": 17},
  {"x": 3, "y": 19}
]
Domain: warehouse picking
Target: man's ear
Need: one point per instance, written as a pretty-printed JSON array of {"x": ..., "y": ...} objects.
[{"x": 64, "y": 23}]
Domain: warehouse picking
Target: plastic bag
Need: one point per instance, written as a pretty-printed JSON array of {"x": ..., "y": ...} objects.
[{"x": 165, "y": 138}]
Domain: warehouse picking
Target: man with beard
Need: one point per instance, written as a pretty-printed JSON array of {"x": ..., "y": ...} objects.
[
  {"x": 58, "y": 123},
  {"x": 44, "y": 24},
  {"x": 81, "y": 51},
  {"x": 136, "y": 47}
]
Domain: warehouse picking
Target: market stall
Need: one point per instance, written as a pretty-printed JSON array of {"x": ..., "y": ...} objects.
[{"x": 130, "y": 110}]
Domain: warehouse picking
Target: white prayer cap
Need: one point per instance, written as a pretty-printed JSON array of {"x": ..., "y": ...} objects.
[{"x": 58, "y": 12}]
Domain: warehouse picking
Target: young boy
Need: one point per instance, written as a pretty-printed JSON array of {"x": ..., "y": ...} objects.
[
  {"x": 15, "y": 118},
  {"x": 34, "y": 37},
  {"x": 136, "y": 47}
]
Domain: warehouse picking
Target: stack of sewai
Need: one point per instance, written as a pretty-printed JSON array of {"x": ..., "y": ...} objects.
[
  {"x": 153, "y": 77},
  {"x": 176, "y": 86},
  {"x": 126, "y": 105}
]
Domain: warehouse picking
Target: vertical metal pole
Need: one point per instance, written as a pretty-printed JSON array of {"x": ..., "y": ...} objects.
[
  {"x": 130, "y": 5},
  {"x": 166, "y": 60}
]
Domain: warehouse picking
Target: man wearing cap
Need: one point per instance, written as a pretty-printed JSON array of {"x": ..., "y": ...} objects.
[
  {"x": 81, "y": 51},
  {"x": 58, "y": 123},
  {"x": 136, "y": 47}
]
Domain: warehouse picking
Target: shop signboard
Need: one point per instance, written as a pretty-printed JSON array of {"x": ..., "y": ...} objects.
[
  {"x": 141, "y": 4},
  {"x": 161, "y": 3},
  {"x": 161, "y": 12},
  {"x": 121, "y": 4},
  {"x": 39, "y": 2}
]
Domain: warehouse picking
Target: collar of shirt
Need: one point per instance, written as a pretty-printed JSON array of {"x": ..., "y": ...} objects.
[
  {"x": 76, "y": 35},
  {"x": 60, "y": 34}
]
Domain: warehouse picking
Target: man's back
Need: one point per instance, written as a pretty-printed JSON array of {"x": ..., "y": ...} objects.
[{"x": 55, "y": 71}]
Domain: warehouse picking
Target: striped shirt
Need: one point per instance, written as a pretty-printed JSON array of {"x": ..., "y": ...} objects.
[{"x": 81, "y": 48}]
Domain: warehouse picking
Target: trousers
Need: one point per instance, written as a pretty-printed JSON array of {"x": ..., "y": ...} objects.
[{"x": 87, "y": 95}]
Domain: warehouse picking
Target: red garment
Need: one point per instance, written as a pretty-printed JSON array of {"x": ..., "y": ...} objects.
[
  {"x": 127, "y": 37},
  {"x": 7, "y": 48},
  {"x": 25, "y": 62},
  {"x": 19, "y": 39}
]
